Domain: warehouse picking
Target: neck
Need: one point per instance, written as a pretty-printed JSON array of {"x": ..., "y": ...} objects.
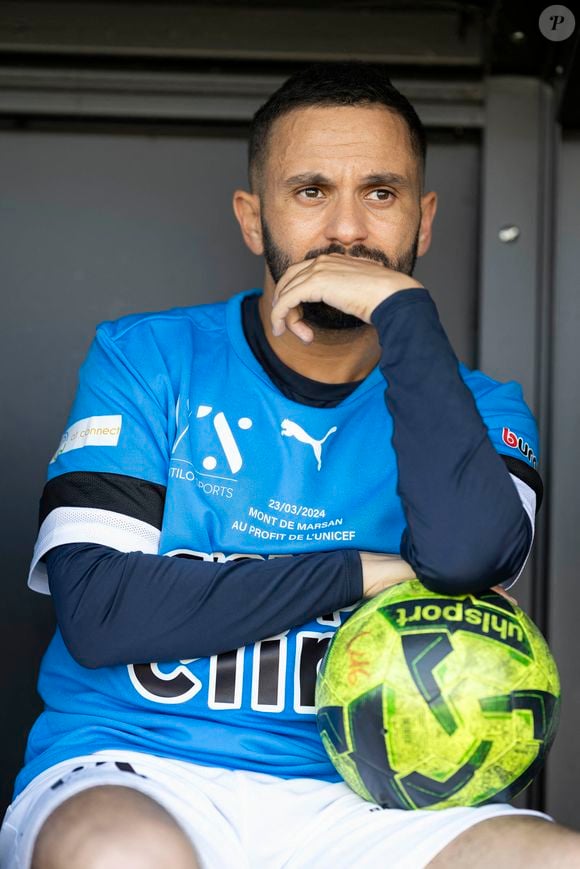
[{"x": 334, "y": 356}]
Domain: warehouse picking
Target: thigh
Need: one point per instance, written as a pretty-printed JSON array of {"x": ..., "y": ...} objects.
[
  {"x": 114, "y": 827},
  {"x": 351, "y": 832},
  {"x": 505, "y": 842},
  {"x": 183, "y": 797}
]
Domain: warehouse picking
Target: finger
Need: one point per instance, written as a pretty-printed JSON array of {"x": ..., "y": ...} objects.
[
  {"x": 293, "y": 317},
  {"x": 295, "y": 324},
  {"x": 303, "y": 290},
  {"x": 501, "y": 590},
  {"x": 300, "y": 271},
  {"x": 303, "y": 331},
  {"x": 290, "y": 273},
  {"x": 307, "y": 266}
]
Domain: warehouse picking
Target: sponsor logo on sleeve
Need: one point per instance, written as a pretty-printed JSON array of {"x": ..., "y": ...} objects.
[
  {"x": 515, "y": 442},
  {"x": 94, "y": 431}
]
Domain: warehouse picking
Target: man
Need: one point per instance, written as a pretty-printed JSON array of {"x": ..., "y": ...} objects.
[{"x": 231, "y": 437}]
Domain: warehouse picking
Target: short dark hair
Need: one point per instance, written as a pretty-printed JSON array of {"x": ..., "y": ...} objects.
[{"x": 339, "y": 83}]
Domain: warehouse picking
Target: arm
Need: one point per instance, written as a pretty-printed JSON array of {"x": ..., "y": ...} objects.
[
  {"x": 110, "y": 595},
  {"x": 124, "y": 607},
  {"x": 120, "y": 608},
  {"x": 466, "y": 527}
]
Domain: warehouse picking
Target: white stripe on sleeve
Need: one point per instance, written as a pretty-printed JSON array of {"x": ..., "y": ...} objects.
[
  {"x": 528, "y": 499},
  {"x": 88, "y": 525}
]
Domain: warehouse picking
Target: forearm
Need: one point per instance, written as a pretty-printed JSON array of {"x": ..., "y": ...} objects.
[
  {"x": 466, "y": 527},
  {"x": 122, "y": 608}
]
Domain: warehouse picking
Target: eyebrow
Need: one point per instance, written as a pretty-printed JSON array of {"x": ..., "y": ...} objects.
[{"x": 377, "y": 179}]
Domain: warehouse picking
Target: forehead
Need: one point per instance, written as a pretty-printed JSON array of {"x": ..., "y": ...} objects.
[{"x": 353, "y": 139}]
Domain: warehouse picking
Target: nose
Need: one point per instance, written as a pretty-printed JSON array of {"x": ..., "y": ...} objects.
[{"x": 346, "y": 222}]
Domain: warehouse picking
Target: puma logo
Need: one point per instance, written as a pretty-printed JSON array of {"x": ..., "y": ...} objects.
[{"x": 293, "y": 430}]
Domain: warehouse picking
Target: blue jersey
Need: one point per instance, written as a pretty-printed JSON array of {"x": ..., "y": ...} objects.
[{"x": 208, "y": 460}]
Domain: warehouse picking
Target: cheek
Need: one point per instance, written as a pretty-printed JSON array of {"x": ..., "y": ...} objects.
[
  {"x": 296, "y": 231},
  {"x": 403, "y": 226},
  {"x": 393, "y": 231}
]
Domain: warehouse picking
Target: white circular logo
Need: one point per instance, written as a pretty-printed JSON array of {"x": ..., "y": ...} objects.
[{"x": 557, "y": 23}]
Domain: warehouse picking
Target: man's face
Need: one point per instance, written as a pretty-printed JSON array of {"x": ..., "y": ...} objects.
[{"x": 340, "y": 180}]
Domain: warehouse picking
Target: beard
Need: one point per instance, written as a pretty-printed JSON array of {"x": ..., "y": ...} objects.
[{"x": 319, "y": 314}]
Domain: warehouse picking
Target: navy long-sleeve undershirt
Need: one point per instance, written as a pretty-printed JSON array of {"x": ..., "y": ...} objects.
[
  {"x": 126, "y": 607},
  {"x": 466, "y": 527}
]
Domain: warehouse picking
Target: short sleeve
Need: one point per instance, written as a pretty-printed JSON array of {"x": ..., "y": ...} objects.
[
  {"x": 509, "y": 421},
  {"x": 107, "y": 478},
  {"x": 513, "y": 432}
]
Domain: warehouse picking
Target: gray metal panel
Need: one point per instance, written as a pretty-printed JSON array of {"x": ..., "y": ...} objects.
[
  {"x": 449, "y": 270},
  {"x": 514, "y": 288},
  {"x": 563, "y": 772},
  {"x": 514, "y": 193},
  {"x": 514, "y": 342},
  {"x": 439, "y": 38},
  {"x": 199, "y": 96}
]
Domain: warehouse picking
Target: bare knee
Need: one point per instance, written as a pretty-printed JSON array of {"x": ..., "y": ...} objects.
[
  {"x": 511, "y": 841},
  {"x": 112, "y": 827}
]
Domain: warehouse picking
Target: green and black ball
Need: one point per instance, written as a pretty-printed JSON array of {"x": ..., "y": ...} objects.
[{"x": 427, "y": 701}]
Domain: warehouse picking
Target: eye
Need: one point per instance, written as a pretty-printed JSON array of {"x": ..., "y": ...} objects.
[
  {"x": 381, "y": 195},
  {"x": 310, "y": 192}
]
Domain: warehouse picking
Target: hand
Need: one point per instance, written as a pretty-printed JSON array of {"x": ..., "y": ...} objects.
[
  {"x": 380, "y": 571},
  {"x": 352, "y": 284},
  {"x": 499, "y": 589}
]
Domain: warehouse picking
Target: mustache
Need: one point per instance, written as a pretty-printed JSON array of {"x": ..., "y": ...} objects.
[{"x": 357, "y": 250}]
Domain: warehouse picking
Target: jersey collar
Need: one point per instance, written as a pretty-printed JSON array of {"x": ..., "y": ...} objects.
[{"x": 243, "y": 350}]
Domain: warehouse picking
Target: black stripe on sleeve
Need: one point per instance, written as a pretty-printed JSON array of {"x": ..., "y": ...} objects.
[
  {"x": 527, "y": 475},
  {"x": 130, "y": 496}
]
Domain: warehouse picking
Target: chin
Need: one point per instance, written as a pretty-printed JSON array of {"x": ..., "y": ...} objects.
[{"x": 319, "y": 315}]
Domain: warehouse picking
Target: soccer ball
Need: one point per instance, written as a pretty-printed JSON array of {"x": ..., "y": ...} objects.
[{"x": 426, "y": 701}]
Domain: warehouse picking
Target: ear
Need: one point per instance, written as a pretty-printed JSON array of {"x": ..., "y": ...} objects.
[
  {"x": 428, "y": 210},
  {"x": 247, "y": 211}
]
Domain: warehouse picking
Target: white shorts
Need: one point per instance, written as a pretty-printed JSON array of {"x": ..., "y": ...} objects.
[{"x": 247, "y": 819}]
